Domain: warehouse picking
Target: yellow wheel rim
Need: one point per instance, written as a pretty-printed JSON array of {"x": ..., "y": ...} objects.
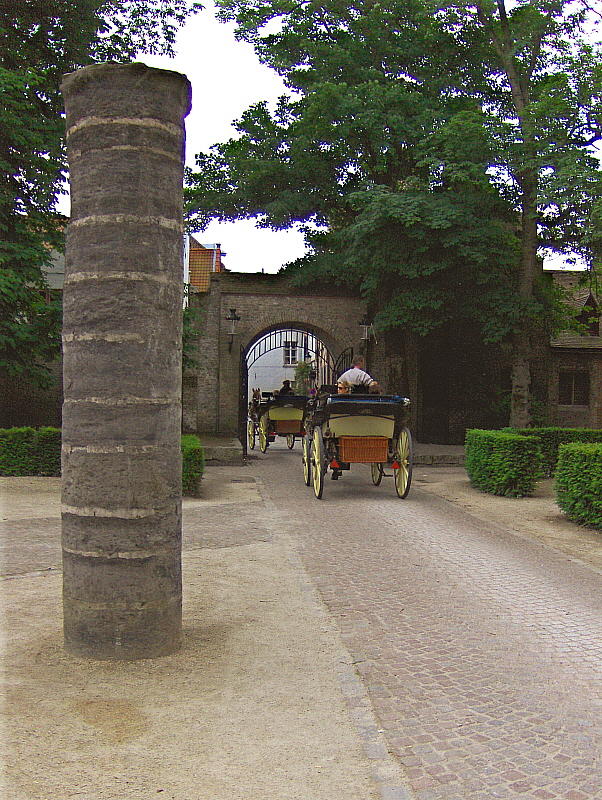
[
  {"x": 263, "y": 433},
  {"x": 317, "y": 463},
  {"x": 403, "y": 454},
  {"x": 306, "y": 461}
]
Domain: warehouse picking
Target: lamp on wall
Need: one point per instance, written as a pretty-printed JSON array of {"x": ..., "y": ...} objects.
[
  {"x": 367, "y": 330},
  {"x": 233, "y": 319}
]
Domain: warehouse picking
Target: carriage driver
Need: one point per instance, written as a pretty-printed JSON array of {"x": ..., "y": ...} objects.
[{"x": 356, "y": 379}]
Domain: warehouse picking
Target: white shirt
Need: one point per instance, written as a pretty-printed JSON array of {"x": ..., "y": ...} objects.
[{"x": 357, "y": 377}]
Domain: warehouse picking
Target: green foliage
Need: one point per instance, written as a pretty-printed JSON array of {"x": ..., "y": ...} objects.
[
  {"x": 401, "y": 150},
  {"x": 16, "y": 457},
  {"x": 429, "y": 151},
  {"x": 27, "y": 451},
  {"x": 191, "y": 320},
  {"x": 193, "y": 464},
  {"x": 39, "y": 43},
  {"x": 302, "y": 379},
  {"x": 47, "y": 447},
  {"x": 552, "y": 438},
  {"x": 503, "y": 463},
  {"x": 579, "y": 483}
]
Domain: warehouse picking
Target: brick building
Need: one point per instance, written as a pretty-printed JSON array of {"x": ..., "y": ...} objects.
[{"x": 454, "y": 379}]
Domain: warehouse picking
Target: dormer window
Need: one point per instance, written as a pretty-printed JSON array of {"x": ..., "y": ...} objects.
[{"x": 590, "y": 317}]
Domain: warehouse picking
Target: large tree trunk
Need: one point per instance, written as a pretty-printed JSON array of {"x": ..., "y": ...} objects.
[
  {"x": 520, "y": 415},
  {"x": 122, "y": 362}
]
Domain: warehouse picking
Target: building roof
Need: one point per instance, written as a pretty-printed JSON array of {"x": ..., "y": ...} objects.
[
  {"x": 202, "y": 261},
  {"x": 579, "y": 294},
  {"x": 578, "y": 291}
]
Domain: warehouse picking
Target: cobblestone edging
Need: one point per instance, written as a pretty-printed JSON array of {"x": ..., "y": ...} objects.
[{"x": 387, "y": 773}]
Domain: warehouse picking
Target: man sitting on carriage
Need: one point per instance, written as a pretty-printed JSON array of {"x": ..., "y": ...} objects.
[{"x": 357, "y": 379}]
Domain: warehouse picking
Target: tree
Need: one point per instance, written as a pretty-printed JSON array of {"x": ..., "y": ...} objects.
[
  {"x": 39, "y": 42},
  {"x": 354, "y": 152},
  {"x": 543, "y": 91},
  {"x": 401, "y": 142}
]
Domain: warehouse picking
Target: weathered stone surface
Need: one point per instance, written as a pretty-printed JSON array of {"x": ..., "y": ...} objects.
[
  {"x": 148, "y": 480},
  {"x": 122, "y": 634},
  {"x": 122, "y": 361},
  {"x": 100, "y": 136},
  {"x": 122, "y": 582},
  {"x": 143, "y": 183},
  {"x": 132, "y": 91},
  {"x": 124, "y": 306},
  {"x": 124, "y": 364},
  {"x": 87, "y": 423},
  {"x": 107, "y": 535},
  {"x": 143, "y": 249}
]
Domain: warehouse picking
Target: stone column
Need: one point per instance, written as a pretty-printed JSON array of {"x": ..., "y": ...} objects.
[{"x": 121, "y": 482}]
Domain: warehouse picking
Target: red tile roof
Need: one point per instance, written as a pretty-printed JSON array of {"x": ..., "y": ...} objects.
[{"x": 202, "y": 261}]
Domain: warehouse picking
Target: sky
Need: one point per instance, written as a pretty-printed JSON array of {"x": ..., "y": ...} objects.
[{"x": 226, "y": 78}]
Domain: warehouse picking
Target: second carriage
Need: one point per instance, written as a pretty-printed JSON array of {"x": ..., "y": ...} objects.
[
  {"x": 358, "y": 428},
  {"x": 272, "y": 415}
]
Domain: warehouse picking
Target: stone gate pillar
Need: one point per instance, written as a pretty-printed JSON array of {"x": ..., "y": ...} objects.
[{"x": 121, "y": 486}]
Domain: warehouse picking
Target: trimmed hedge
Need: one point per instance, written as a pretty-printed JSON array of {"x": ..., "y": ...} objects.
[
  {"x": 579, "y": 482},
  {"x": 27, "y": 451},
  {"x": 193, "y": 464},
  {"x": 503, "y": 463},
  {"x": 552, "y": 438}
]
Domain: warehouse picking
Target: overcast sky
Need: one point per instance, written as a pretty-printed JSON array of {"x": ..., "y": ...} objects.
[{"x": 226, "y": 78}]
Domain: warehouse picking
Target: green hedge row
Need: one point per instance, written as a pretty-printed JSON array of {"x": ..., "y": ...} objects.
[
  {"x": 503, "y": 463},
  {"x": 193, "y": 464},
  {"x": 27, "y": 451},
  {"x": 552, "y": 438},
  {"x": 579, "y": 482}
]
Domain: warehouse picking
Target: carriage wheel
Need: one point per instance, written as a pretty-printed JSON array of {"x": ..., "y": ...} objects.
[
  {"x": 317, "y": 462},
  {"x": 306, "y": 460},
  {"x": 404, "y": 455},
  {"x": 263, "y": 433},
  {"x": 290, "y": 440},
  {"x": 251, "y": 434},
  {"x": 376, "y": 472}
]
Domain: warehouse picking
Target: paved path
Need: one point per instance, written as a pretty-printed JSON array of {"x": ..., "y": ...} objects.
[
  {"x": 478, "y": 653},
  {"x": 480, "y": 650}
]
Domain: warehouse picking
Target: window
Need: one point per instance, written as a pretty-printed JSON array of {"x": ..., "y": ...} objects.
[
  {"x": 290, "y": 354},
  {"x": 573, "y": 388}
]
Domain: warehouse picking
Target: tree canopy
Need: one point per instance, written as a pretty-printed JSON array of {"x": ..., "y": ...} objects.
[
  {"x": 39, "y": 43},
  {"x": 430, "y": 149}
]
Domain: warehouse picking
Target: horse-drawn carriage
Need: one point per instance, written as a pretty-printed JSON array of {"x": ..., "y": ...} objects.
[
  {"x": 272, "y": 415},
  {"x": 345, "y": 429}
]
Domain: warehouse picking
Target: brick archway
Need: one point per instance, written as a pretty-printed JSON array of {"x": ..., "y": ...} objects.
[{"x": 263, "y": 303}]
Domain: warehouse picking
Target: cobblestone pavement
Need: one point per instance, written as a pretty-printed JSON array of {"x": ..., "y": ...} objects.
[{"x": 480, "y": 650}]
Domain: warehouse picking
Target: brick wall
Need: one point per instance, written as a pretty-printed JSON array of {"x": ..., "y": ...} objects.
[{"x": 263, "y": 302}]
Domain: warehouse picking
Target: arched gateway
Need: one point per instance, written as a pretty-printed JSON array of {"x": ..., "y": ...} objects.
[{"x": 266, "y": 306}]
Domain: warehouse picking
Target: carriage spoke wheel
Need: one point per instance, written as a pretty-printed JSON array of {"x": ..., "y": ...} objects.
[
  {"x": 376, "y": 473},
  {"x": 290, "y": 440},
  {"x": 251, "y": 434},
  {"x": 317, "y": 462},
  {"x": 263, "y": 433},
  {"x": 307, "y": 460},
  {"x": 404, "y": 455}
]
